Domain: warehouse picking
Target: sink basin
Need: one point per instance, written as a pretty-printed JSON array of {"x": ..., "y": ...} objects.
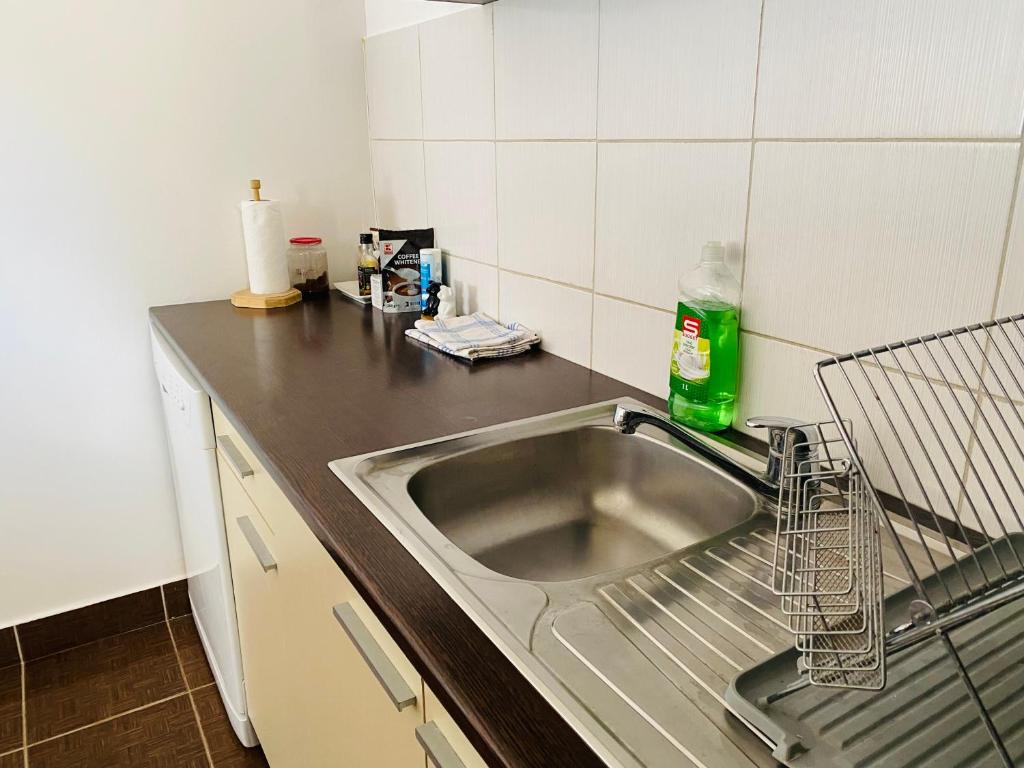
[
  {"x": 571, "y": 504},
  {"x": 587, "y": 555}
]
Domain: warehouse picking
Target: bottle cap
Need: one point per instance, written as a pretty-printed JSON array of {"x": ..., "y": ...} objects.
[
  {"x": 713, "y": 250},
  {"x": 305, "y": 241},
  {"x": 366, "y": 238}
]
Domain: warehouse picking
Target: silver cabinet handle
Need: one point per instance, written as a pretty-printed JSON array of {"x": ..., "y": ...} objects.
[
  {"x": 233, "y": 455},
  {"x": 394, "y": 684},
  {"x": 437, "y": 747},
  {"x": 259, "y": 549}
]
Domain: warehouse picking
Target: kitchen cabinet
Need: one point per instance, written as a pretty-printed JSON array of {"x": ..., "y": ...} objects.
[
  {"x": 258, "y": 608},
  {"x": 437, "y": 715},
  {"x": 326, "y": 684}
]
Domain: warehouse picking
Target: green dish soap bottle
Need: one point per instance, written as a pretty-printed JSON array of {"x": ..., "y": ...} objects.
[{"x": 706, "y": 346}]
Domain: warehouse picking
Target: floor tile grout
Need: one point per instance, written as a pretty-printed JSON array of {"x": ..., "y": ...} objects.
[
  {"x": 111, "y": 718},
  {"x": 24, "y": 697},
  {"x": 184, "y": 679},
  {"x": 188, "y": 691},
  {"x": 107, "y": 719},
  {"x": 187, "y": 688},
  {"x": 26, "y": 662}
]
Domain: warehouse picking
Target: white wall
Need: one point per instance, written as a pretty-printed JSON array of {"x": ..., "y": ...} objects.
[
  {"x": 128, "y": 134},
  {"x": 860, "y": 159},
  {"x": 386, "y": 15}
]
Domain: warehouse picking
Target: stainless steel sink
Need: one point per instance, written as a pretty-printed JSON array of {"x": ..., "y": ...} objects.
[
  {"x": 574, "y": 503},
  {"x": 556, "y": 534}
]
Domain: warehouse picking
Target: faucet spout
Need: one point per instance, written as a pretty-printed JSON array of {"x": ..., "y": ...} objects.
[{"x": 627, "y": 418}]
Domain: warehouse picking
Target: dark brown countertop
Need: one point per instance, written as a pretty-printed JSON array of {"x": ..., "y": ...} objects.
[{"x": 327, "y": 379}]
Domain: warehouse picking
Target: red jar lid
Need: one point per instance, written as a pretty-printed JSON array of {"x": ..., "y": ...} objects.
[{"x": 306, "y": 240}]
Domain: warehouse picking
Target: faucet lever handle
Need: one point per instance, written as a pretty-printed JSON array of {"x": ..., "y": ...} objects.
[{"x": 778, "y": 426}]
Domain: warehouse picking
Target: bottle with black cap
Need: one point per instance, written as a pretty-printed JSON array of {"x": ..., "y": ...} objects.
[{"x": 367, "y": 264}]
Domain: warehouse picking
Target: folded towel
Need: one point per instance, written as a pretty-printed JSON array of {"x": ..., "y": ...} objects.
[
  {"x": 475, "y": 336},
  {"x": 474, "y": 331}
]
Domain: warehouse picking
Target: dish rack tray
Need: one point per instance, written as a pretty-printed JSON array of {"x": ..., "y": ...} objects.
[{"x": 939, "y": 467}]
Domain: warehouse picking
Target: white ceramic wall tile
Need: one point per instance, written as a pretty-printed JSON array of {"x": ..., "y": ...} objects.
[
  {"x": 393, "y": 85},
  {"x": 855, "y": 244},
  {"x": 1011, "y": 296},
  {"x": 632, "y": 344},
  {"x": 461, "y": 197},
  {"x": 911, "y": 448},
  {"x": 457, "y": 61},
  {"x": 879, "y": 68},
  {"x": 546, "y": 209},
  {"x": 1005, "y": 374},
  {"x": 398, "y": 184},
  {"x": 476, "y": 286},
  {"x": 776, "y": 379},
  {"x": 545, "y": 69},
  {"x": 657, "y": 204},
  {"x": 559, "y": 314},
  {"x": 677, "y": 68},
  {"x": 994, "y": 502}
]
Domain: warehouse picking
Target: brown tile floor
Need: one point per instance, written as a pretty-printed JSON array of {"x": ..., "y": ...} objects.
[{"x": 144, "y": 698}]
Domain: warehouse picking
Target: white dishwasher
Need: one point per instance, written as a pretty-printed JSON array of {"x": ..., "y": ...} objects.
[{"x": 192, "y": 443}]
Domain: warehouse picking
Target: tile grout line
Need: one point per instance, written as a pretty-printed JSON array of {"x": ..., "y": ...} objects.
[
  {"x": 369, "y": 136},
  {"x": 597, "y": 168},
  {"x": 790, "y": 342},
  {"x": 97, "y": 640},
  {"x": 750, "y": 165},
  {"x": 494, "y": 147},
  {"x": 826, "y": 354},
  {"x": 631, "y": 302},
  {"x": 423, "y": 121},
  {"x": 108, "y": 719},
  {"x": 735, "y": 140},
  {"x": 579, "y": 288},
  {"x": 184, "y": 680},
  {"x": 24, "y": 694}
]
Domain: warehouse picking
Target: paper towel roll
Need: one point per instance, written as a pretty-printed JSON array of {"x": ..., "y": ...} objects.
[{"x": 266, "y": 251}]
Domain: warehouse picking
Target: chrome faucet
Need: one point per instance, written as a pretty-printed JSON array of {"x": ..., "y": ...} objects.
[{"x": 627, "y": 418}]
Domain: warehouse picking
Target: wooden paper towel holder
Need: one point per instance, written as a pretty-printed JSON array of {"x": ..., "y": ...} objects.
[{"x": 248, "y": 299}]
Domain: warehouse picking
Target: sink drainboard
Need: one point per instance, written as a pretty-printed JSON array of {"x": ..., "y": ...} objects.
[{"x": 636, "y": 656}]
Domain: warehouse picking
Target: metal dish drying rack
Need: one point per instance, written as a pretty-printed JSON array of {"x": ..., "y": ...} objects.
[{"x": 939, "y": 463}]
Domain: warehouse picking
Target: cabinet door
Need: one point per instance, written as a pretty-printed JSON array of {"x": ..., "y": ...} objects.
[
  {"x": 447, "y": 747},
  {"x": 257, "y": 587},
  {"x": 318, "y": 698},
  {"x": 362, "y": 698}
]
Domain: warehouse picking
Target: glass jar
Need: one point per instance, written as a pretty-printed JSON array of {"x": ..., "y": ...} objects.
[{"x": 307, "y": 266}]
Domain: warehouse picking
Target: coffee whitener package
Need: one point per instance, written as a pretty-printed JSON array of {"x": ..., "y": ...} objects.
[{"x": 400, "y": 267}]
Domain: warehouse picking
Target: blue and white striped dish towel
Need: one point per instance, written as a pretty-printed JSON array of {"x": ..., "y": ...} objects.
[{"x": 474, "y": 336}]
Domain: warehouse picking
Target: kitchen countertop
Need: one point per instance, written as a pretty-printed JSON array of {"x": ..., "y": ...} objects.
[{"x": 328, "y": 379}]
